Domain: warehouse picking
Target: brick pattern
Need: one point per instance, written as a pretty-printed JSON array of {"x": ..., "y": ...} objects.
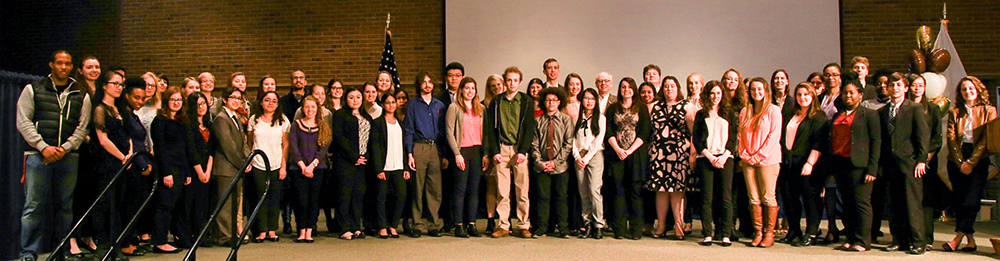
[
  {"x": 343, "y": 39},
  {"x": 885, "y": 30}
]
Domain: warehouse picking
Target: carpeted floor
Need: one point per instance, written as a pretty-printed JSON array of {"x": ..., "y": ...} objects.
[{"x": 327, "y": 247}]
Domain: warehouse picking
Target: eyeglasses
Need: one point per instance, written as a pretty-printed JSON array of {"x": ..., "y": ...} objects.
[
  {"x": 552, "y": 100},
  {"x": 270, "y": 101},
  {"x": 176, "y": 100},
  {"x": 115, "y": 84},
  {"x": 208, "y": 82},
  {"x": 235, "y": 97},
  {"x": 299, "y": 77}
]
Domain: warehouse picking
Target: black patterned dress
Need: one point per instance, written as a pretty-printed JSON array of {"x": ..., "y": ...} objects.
[{"x": 669, "y": 153}]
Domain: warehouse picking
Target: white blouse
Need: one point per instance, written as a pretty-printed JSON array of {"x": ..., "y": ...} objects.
[
  {"x": 268, "y": 139},
  {"x": 718, "y": 135},
  {"x": 394, "y": 153}
]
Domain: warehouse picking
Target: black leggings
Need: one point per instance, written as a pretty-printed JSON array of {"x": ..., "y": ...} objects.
[
  {"x": 267, "y": 217},
  {"x": 391, "y": 198},
  {"x": 351, "y": 184}
]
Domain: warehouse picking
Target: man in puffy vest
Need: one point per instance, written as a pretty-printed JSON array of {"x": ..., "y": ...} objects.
[{"x": 52, "y": 115}]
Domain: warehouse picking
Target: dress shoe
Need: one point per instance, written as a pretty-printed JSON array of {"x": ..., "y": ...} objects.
[
  {"x": 726, "y": 243},
  {"x": 257, "y": 240},
  {"x": 970, "y": 249},
  {"x": 434, "y": 233},
  {"x": 524, "y": 233},
  {"x": 309, "y": 240},
  {"x": 500, "y": 233},
  {"x": 538, "y": 235},
  {"x": 560, "y": 234},
  {"x": 893, "y": 247},
  {"x": 274, "y": 239},
  {"x": 856, "y": 248},
  {"x": 359, "y": 234},
  {"x": 597, "y": 233},
  {"x": 472, "y": 230},
  {"x": 618, "y": 235},
  {"x": 460, "y": 232},
  {"x": 706, "y": 242},
  {"x": 28, "y": 258},
  {"x": 917, "y": 251},
  {"x": 490, "y": 225},
  {"x": 808, "y": 241},
  {"x": 789, "y": 239},
  {"x": 415, "y": 233}
]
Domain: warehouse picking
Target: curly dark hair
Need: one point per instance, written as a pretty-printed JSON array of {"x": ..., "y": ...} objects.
[{"x": 545, "y": 92}]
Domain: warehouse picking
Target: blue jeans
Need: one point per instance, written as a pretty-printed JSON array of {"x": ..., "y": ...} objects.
[{"x": 48, "y": 199}]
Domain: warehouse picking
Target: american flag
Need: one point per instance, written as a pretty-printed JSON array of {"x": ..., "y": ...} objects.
[{"x": 389, "y": 60}]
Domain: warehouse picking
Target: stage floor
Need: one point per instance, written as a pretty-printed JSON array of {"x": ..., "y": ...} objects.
[{"x": 327, "y": 247}]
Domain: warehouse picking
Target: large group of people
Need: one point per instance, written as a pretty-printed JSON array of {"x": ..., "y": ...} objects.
[{"x": 741, "y": 149}]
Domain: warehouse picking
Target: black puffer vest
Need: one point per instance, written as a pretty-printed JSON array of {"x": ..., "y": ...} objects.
[{"x": 56, "y": 114}]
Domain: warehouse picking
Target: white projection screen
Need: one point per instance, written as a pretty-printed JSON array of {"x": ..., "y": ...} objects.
[{"x": 621, "y": 37}]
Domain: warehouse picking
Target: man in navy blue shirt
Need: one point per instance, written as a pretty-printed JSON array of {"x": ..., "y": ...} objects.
[{"x": 421, "y": 138}]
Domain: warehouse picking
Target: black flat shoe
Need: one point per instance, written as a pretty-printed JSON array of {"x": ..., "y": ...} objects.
[
  {"x": 309, "y": 240},
  {"x": 274, "y": 239},
  {"x": 917, "y": 251},
  {"x": 947, "y": 247},
  {"x": 969, "y": 249},
  {"x": 726, "y": 244},
  {"x": 597, "y": 233},
  {"x": 136, "y": 252},
  {"x": 257, "y": 240},
  {"x": 472, "y": 230},
  {"x": 88, "y": 248},
  {"x": 705, "y": 242},
  {"x": 893, "y": 247}
]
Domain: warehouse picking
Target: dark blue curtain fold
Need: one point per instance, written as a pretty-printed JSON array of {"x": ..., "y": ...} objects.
[{"x": 12, "y": 163}]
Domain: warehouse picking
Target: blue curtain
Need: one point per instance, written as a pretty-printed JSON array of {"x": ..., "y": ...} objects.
[{"x": 11, "y": 161}]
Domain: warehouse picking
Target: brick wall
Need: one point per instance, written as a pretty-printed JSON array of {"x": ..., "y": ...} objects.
[
  {"x": 344, "y": 38},
  {"x": 885, "y": 30}
]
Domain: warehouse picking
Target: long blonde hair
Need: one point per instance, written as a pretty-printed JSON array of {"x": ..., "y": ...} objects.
[
  {"x": 757, "y": 110},
  {"x": 325, "y": 133}
]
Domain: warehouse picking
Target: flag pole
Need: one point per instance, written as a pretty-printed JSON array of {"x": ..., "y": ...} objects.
[
  {"x": 388, "y": 17},
  {"x": 944, "y": 15}
]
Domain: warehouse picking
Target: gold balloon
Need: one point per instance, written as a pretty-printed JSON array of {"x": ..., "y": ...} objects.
[{"x": 924, "y": 41}]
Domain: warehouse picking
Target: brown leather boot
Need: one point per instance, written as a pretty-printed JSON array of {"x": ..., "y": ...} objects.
[
  {"x": 771, "y": 220},
  {"x": 758, "y": 223}
]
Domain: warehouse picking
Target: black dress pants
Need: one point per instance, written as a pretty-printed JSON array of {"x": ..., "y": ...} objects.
[
  {"x": 267, "y": 216},
  {"x": 390, "y": 199},
  {"x": 551, "y": 191},
  {"x": 351, "y": 184},
  {"x": 801, "y": 192},
  {"x": 968, "y": 189},
  {"x": 465, "y": 190},
  {"x": 307, "y": 193},
  {"x": 906, "y": 194},
  {"x": 718, "y": 198},
  {"x": 166, "y": 205},
  {"x": 856, "y": 196},
  {"x": 625, "y": 183}
]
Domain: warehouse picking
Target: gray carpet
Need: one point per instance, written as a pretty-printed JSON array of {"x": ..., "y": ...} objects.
[{"x": 327, "y": 247}]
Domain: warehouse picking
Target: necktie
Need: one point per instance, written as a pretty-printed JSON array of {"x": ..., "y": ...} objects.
[
  {"x": 550, "y": 143},
  {"x": 237, "y": 122},
  {"x": 892, "y": 116}
]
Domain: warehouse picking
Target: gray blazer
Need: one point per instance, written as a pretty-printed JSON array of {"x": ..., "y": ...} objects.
[
  {"x": 453, "y": 123},
  {"x": 232, "y": 150}
]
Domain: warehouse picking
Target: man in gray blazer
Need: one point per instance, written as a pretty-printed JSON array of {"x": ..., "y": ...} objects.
[{"x": 232, "y": 152}]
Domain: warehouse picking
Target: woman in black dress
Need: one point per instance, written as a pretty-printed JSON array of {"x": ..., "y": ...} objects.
[{"x": 201, "y": 144}]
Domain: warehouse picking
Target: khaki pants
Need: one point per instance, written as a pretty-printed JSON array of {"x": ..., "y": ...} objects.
[
  {"x": 508, "y": 170},
  {"x": 761, "y": 182},
  {"x": 223, "y": 221}
]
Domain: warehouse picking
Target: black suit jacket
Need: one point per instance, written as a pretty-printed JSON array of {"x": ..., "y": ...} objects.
[
  {"x": 933, "y": 117},
  {"x": 906, "y": 144},
  {"x": 812, "y": 134},
  {"x": 378, "y": 143},
  {"x": 445, "y": 98},
  {"x": 866, "y": 139},
  {"x": 345, "y": 137}
]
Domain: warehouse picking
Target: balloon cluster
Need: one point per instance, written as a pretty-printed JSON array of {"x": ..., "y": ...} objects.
[{"x": 929, "y": 63}]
